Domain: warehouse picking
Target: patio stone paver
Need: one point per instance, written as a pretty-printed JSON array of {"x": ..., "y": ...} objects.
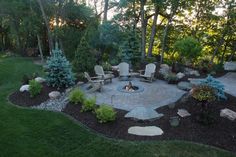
[
  {"x": 229, "y": 81},
  {"x": 154, "y": 95},
  {"x": 143, "y": 113}
]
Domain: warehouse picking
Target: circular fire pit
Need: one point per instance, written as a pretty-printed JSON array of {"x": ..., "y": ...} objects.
[{"x": 129, "y": 88}]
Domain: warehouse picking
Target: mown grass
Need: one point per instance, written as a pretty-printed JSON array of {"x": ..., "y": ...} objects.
[{"x": 27, "y": 132}]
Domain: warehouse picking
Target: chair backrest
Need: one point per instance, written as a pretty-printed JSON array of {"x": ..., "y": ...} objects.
[
  {"x": 86, "y": 75},
  {"x": 123, "y": 68},
  {"x": 150, "y": 69},
  {"x": 99, "y": 70}
]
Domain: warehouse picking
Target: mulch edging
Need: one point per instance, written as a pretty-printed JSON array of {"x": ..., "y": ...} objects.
[
  {"x": 24, "y": 99},
  {"x": 221, "y": 134}
]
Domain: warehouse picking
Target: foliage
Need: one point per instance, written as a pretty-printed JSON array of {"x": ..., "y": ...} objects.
[
  {"x": 27, "y": 78},
  {"x": 216, "y": 85},
  {"x": 89, "y": 105},
  {"x": 171, "y": 77},
  {"x": 34, "y": 88},
  {"x": 105, "y": 113},
  {"x": 84, "y": 58},
  {"x": 77, "y": 96},
  {"x": 106, "y": 66},
  {"x": 188, "y": 47},
  {"x": 58, "y": 68},
  {"x": 203, "y": 93}
]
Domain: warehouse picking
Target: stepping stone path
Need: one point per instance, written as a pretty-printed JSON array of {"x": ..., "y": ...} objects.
[
  {"x": 183, "y": 113},
  {"x": 24, "y": 88},
  {"x": 229, "y": 114},
  {"x": 145, "y": 131},
  {"x": 143, "y": 113},
  {"x": 184, "y": 85}
]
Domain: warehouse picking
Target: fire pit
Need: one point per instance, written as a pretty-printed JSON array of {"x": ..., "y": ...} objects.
[{"x": 130, "y": 88}]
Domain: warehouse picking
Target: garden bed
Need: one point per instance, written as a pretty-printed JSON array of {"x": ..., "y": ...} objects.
[
  {"x": 222, "y": 133},
  {"x": 24, "y": 99}
]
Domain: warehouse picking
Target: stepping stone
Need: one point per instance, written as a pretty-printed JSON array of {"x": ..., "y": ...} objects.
[
  {"x": 183, "y": 113},
  {"x": 40, "y": 79},
  {"x": 184, "y": 85},
  {"x": 54, "y": 95},
  {"x": 143, "y": 113},
  {"x": 24, "y": 88},
  {"x": 227, "y": 113},
  {"x": 145, "y": 131}
]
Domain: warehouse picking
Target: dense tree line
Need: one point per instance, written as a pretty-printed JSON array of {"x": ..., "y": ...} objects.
[{"x": 137, "y": 31}]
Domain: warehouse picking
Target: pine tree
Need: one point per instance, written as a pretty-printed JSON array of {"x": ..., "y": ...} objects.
[
  {"x": 58, "y": 68},
  {"x": 84, "y": 59}
]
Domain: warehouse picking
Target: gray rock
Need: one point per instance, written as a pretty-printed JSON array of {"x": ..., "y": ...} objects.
[
  {"x": 54, "y": 95},
  {"x": 195, "y": 82},
  {"x": 189, "y": 71},
  {"x": 143, "y": 113},
  {"x": 145, "y": 131},
  {"x": 180, "y": 75},
  {"x": 184, "y": 85},
  {"x": 24, "y": 88},
  {"x": 227, "y": 113},
  {"x": 165, "y": 69},
  {"x": 183, "y": 113},
  {"x": 230, "y": 66},
  {"x": 40, "y": 79}
]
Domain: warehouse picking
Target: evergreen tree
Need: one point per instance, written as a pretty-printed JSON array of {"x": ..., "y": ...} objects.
[
  {"x": 58, "y": 68},
  {"x": 84, "y": 58}
]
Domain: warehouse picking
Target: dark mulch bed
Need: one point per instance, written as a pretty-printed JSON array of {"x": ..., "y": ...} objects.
[
  {"x": 24, "y": 99},
  {"x": 221, "y": 134}
]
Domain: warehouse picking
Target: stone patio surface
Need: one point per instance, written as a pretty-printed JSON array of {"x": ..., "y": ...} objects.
[
  {"x": 229, "y": 80},
  {"x": 154, "y": 95}
]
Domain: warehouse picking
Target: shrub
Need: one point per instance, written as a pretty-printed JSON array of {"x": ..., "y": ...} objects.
[
  {"x": 84, "y": 57},
  {"x": 106, "y": 66},
  {"x": 105, "y": 113},
  {"x": 58, "y": 70},
  {"x": 203, "y": 93},
  {"x": 76, "y": 96},
  {"x": 216, "y": 85},
  {"x": 89, "y": 105},
  {"x": 171, "y": 78},
  {"x": 34, "y": 88},
  {"x": 188, "y": 47}
]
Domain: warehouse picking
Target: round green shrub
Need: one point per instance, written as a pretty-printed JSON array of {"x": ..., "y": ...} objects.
[
  {"x": 76, "y": 96},
  {"x": 105, "y": 114},
  {"x": 89, "y": 105},
  {"x": 34, "y": 88}
]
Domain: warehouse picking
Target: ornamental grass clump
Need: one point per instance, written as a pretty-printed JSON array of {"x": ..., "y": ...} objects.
[
  {"x": 34, "y": 88},
  {"x": 77, "y": 96},
  {"x": 105, "y": 114},
  {"x": 89, "y": 105},
  {"x": 58, "y": 70},
  {"x": 203, "y": 93}
]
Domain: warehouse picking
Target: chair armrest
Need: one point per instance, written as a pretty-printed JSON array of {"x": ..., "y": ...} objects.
[
  {"x": 141, "y": 71},
  {"x": 96, "y": 77},
  {"x": 108, "y": 72}
]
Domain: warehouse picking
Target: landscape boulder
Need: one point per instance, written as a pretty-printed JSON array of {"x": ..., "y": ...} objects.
[
  {"x": 54, "y": 95},
  {"x": 230, "y": 66},
  {"x": 164, "y": 69},
  {"x": 40, "y": 79},
  {"x": 180, "y": 75},
  {"x": 24, "y": 88}
]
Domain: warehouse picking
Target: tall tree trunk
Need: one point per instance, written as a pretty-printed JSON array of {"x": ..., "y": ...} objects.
[
  {"x": 40, "y": 48},
  {"x": 143, "y": 41},
  {"x": 105, "y": 10},
  {"x": 153, "y": 33},
  {"x": 220, "y": 43},
  {"x": 50, "y": 41},
  {"x": 163, "y": 49}
]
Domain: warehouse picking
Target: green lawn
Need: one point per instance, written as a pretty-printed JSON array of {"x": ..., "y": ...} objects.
[{"x": 26, "y": 132}]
